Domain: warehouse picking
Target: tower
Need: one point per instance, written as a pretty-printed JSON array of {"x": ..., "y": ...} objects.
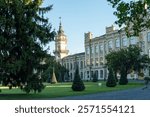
[{"x": 60, "y": 44}]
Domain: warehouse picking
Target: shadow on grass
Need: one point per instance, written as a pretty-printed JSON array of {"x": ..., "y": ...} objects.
[{"x": 21, "y": 96}]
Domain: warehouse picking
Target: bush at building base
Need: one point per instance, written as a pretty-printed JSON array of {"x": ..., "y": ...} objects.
[
  {"x": 123, "y": 78},
  {"x": 95, "y": 78},
  {"x": 78, "y": 84},
  {"x": 111, "y": 81}
]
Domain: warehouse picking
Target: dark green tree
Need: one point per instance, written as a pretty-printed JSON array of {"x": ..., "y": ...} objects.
[
  {"x": 78, "y": 84},
  {"x": 123, "y": 78},
  {"x": 111, "y": 81},
  {"x": 113, "y": 62},
  {"x": 134, "y": 15},
  {"x": 51, "y": 63},
  {"x": 125, "y": 60},
  {"x": 95, "y": 77},
  {"x": 23, "y": 33}
]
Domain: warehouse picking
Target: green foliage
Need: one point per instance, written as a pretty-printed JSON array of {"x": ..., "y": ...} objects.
[
  {"x": 23, "y": 33},
  {"x": 115, "y": 75},
  {"x": 125, "y": 60},
  {"x": 147, "y": 78},
  {"x": 133, "y": 13},
  {"x": 95, "y": 78},
  {"x": 51, "y": 63},
  {"x": 111, "y": 81},
  {"x": 52, "y": 91},
  {"x": 78, "y": 84},
  {"x": 34, "y": 84},
  {"x": 123, "y": 77}
]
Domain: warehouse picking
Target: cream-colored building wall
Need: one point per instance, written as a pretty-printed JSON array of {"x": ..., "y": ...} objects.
[
  {"x": 70, "y": 63},
  {"x": 90, "y": 58}
]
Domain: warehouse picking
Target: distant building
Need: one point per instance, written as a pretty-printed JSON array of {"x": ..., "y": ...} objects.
[{"x": 93, "y": 59}]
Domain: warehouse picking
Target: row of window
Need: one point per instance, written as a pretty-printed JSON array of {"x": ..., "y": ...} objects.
[
  {"x": 71, "y": 75},
  {"x": 71, "y": 66},
  {"x": 102, "y": 47},
  {"x": 99, "y": 61},
  {"x": 81, "y": 64},
  {"x": 101, "y": 73}
]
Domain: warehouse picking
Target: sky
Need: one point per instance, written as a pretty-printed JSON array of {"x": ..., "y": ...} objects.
[{"x": 79, "y": 17}]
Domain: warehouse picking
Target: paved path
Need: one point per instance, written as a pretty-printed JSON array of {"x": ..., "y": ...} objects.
[{"x": 130, "y": 94}]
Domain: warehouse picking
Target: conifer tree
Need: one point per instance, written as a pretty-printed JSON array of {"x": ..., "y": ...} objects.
[
  {"x": 78, "y": 84},
  {"x": 23, "y": 33},
  {"x": 123, "y": 78},
  {"x": 111, "y": 81},
  {"x": 95, "y": 78}
]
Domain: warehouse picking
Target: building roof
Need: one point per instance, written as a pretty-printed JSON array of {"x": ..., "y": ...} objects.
[{"x": 77, "y": 54}]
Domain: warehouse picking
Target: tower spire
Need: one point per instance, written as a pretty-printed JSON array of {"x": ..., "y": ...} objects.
[
  {"x": 60, "y": 31},
  {"x": 60, "y": 21}
]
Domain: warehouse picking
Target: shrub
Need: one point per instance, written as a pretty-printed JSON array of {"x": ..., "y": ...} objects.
[
  {"x": 147, "y": 78},
  {"x": 123, "y": 78},
  {"x": 78, "y": 84},
  {"x": 111, "y": 81},
  {"x": 95, "y": 78},
  {"x": 141, "y": 74}
]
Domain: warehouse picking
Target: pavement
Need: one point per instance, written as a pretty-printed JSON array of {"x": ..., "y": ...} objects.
[{"x": 130, "y": 94}]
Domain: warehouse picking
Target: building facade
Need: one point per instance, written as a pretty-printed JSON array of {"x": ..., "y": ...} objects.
[{"x": 96, "y": 48}]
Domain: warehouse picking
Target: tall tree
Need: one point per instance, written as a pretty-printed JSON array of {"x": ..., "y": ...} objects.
[
  {"x": 134, "y": 15},
  {"x": 125, "y": 60},
  {"x": 23, "y": 33},
  {"x": 95, "y": 77}
]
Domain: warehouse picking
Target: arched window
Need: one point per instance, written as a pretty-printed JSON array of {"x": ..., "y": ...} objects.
[
  {"x": 70, "y": 65},
  {"x": 124, "y": 42},
  {"x": 96, "y": 73},
  {"x": 117, "y": 43},
  {"x": 87, "y": 51},
  {"x": 149, "y": 53},
  {"x": 70, "y": 76},
  {"x": 110, "y": 45},
  {"x": 81, "y": 64},
  {"x": 101, "y": 48},
  {"x": 148, "y": 36},
  {"x": 101, "y": 73},
  {"x": 133, "y": 40},
  {"x": 96, "y": 49},
  {"x": 81, "y": 75}
]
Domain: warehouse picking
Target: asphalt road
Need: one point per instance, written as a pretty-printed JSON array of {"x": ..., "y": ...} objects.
[{"x": 130, "y": 94}]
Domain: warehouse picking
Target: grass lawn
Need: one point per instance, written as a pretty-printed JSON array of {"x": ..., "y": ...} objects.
[{"x": 61, "y": 90}]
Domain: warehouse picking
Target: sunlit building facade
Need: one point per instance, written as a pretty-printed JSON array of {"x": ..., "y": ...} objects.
[{"x": 96, "y": 48}]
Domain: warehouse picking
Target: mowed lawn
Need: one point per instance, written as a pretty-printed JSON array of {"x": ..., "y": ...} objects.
[{"x": 62, "y": 90}]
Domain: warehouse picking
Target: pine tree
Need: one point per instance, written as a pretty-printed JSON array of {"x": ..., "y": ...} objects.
[
  {"x": 95, "y": 78},
  {"x": 78, "y": 84},
  {"x": 123, "y": 77},
  {"x": 111, "y": 81},
  {"x": 23, "y": 33}
]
